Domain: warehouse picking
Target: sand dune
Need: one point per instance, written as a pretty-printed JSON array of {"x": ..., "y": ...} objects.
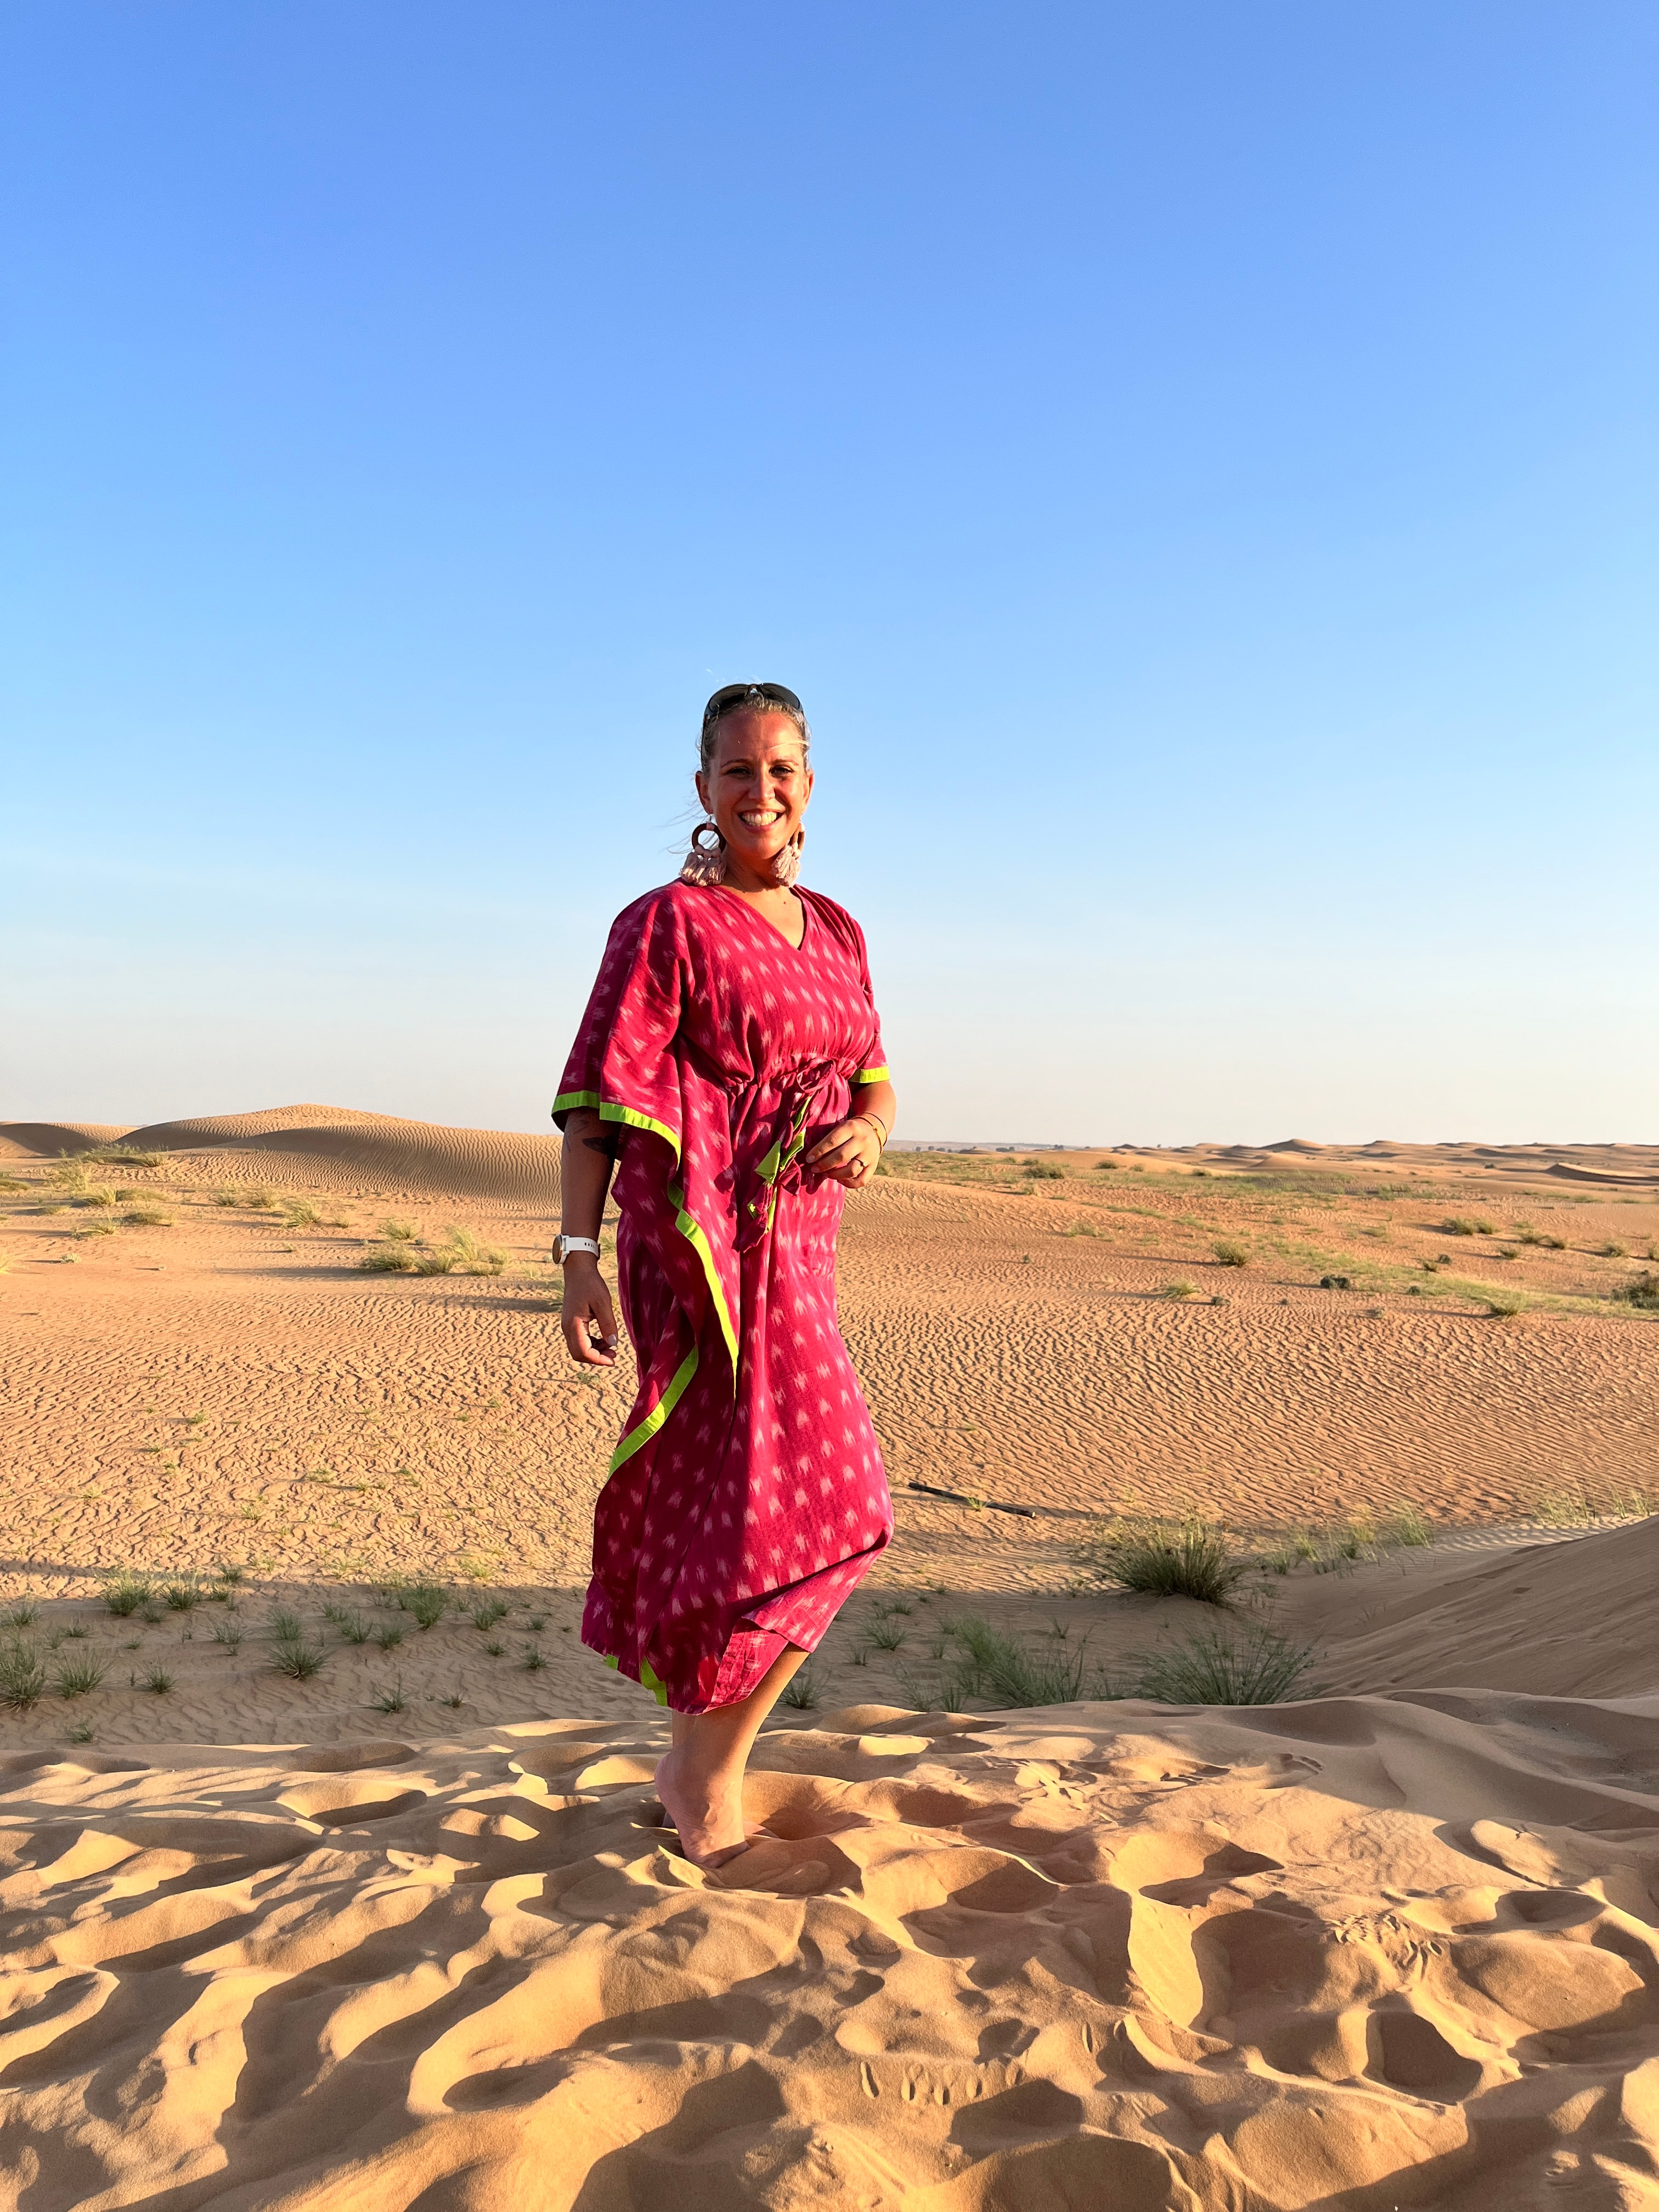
[
  {"x": 1356, "y": 1953},
  {"x": 329, "y": 1148},
  {"x": 1392, "y": 1945}
]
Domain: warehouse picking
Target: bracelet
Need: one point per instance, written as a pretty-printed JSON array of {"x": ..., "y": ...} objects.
[{"x": 880, "y": 1124}]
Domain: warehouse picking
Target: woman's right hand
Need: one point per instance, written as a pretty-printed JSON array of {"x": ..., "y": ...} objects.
[{"x": 589, "y": 1319}]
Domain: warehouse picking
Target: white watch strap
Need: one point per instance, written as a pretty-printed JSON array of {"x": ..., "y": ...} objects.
[{"x": 570, "y": 1244}]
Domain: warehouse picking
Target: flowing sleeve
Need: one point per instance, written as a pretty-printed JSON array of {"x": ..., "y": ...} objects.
[{"x": 623, "y": 1061}]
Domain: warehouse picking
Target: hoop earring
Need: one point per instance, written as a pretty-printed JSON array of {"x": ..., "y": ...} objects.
[
  {"x": 704, "y": 864},
  {"x": 787, "y": 866}
]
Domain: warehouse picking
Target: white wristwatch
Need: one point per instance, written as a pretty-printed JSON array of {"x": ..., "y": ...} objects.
[{"x": 570, "y": 1244}]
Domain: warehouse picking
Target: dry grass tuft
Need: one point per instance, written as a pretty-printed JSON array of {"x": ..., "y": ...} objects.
[
  {"x": 1259, "y": 1667},
  {"x": 147, "y": 1217},
  {"x": 1165, "y": 1559},
  {"x": 1230, "y": 1254}
]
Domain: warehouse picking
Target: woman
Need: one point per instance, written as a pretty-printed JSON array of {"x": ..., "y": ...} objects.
[{"x": 729, "y": 1039}]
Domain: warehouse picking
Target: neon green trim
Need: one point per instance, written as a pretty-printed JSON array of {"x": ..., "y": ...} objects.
[
  {"x": 867, "y": 1075},
  {"x": 653, "y": 1421},
  {"x": 610, "y": 1112},
  {"x": 688, "y": 1225},
  {"x": 649, "y": 1677},
  {"x": 568, "y": 1101}
]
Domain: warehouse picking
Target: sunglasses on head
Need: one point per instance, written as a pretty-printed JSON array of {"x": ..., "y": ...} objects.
[{"x": 773, "y": 694}]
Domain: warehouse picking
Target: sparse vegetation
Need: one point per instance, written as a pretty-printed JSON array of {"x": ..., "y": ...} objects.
[
  {"x": 1641, "y": 1291},
  {"x": 461, "y": 1254},
  {"x": 388, "y": 1260},
  {"x": 886, "y": 1635},
  {"x": 1466, "y": 1225},
  {"x": 389, "y": 1636},
  {"x": 147, "y": 1217},
  {"x": 286, "y": 1627},
  {"x": 426, "y": 1602},
  {"x": 995, "y": 1669},
  {"x": 79, "y": 1673},
  {"x": 20, "y": 1615},
  {"x": 1190, "y": 1558},
  {"x": 392, "y": 1700},
  {"x": 800, "y": 1692},
  {"x": 125, "y": 1594},
  {"x": 488, "y": 1611},
  {"x": 533, "y": 1661},
  {"x": 181, "y": 1597},
  {"x": 1230, "y": 1254},
  {"x": 1504, "y": 1305},
  {"x": 1257, "y": 1668},
  {"x": 300, "y": 1213},
  {"x": 299, "y": 1661},
  {"x": 399, "y": 1232},
  {"x": 1179, "y": 1289},
  {"x": 228, "y": 1633},
  {"x": 156, "y": 1680},
  {"x": 1613, "y": 1250},
  {"x": 22, "y": 1675}
]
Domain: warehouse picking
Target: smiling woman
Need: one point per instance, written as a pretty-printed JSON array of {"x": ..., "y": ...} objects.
[{"x": 730, "y": 1033}]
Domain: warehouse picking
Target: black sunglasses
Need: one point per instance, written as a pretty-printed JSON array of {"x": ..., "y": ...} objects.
[{"x": 774, "y": 694}]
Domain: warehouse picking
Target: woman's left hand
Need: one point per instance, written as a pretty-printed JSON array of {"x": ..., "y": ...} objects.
[{"x": 849, "y": 1154}]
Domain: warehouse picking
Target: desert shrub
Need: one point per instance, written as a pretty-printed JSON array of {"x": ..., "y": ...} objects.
[
  {"x": 353, "y": 1628},
  {"x": 300, "y": 1213},
  {"x": 532, "y": 1662},
  {"x": 1504, "y": 1305},
  {"x": 258, "y": 1198},
  {"x": 426, "y": 1602},
  {"x": 399, "y": 1232},
  {"x": 1044, "y": 1171},
  {"x": 388, "y": 1260},
  {"x": 389, "y": 1636},
  {"x": 228, "y": 1632},
  {"x": 95, "y": 1229},
  {"x": 70, "y": 1175},
  {"x": 461, "y": 1254},
  {"x": 886, "y": 1635},
  {"x": 1613, "y": 1250},
  {"x": 22, "y": 1675},
  {"x": 181, "y": 1597},
  {"x": 1466, "y": 1225},
  {"x": 285, "y": 1626},
  {"x": 1230, "y": 1254},
  {"x": 299, "y": 1661},
  {"x": 392, "y": 1700},
  {"x": 800, "y": 1692},
  {"x": 1642, "y": 1290},
  {"x": 488, "y": 1611},
  {"x": 1259, "y": 1667},
  {"x": 1179, "y": 1289},
  {"x": 125, "y": 1594},
  {"x": 1165, "y": 1559},
  {"x": 1407, "y": 1527},
  {"x": 21, "y": 1615},
  {"x": 156, "y": 1680},
  {"x": 122, "y": 1155},
  {"x": 79, "y": 1673},
  {"x": 98, "y": 1193},
  {"x": 992, "y": 1668}
]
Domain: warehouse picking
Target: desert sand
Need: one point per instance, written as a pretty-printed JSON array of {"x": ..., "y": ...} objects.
[{"x": 408, "y": 1930}]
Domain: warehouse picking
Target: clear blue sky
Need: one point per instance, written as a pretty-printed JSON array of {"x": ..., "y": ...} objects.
[{"x": 1197, "y": 462}]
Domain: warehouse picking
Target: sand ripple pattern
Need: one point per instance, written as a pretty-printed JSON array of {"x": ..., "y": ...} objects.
[{"x": 1359, "y": 1951}]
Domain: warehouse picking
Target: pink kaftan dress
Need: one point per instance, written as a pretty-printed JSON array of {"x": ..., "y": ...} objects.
[{"x": 746, "y": 1497}]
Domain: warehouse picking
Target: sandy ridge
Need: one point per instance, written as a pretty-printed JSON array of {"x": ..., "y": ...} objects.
[{"x": 1360, "y": 1951}]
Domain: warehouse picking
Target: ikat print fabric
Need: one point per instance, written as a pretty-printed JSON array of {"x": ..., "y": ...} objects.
[{"x": 746, "y": 1497}]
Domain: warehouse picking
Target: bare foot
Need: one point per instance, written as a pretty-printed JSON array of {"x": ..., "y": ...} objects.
[{"x": 709, "y": 1827}]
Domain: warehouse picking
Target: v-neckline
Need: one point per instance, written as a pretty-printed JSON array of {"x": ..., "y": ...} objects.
[{"x": 806, "y": 916}]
